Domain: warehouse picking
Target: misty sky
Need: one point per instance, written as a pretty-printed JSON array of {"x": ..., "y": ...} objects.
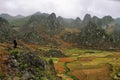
[{"x": 64, "y": 8}]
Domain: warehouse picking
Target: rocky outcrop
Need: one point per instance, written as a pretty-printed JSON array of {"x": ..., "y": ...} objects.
[
  {"x": 39, "y": 25},
  {"x": 53, "y": 24},
  {"x": 61, "y": 21},
  {"x": 86, "y": 20},
  {"x": 107, "y": 19},
  {"x": 92, "y": 36},
  {"x": 27, "y": 66},
  {"x": 97, "y": 21},
  {"x": 43, "y": 23},
  {"x": 77, "y": 23}
]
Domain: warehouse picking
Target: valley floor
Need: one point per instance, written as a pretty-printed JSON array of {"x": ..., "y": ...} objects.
[{"x": 80, "y": 64}]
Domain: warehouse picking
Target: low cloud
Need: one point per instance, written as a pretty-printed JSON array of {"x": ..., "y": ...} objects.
[{"x": 65, "y": 8}]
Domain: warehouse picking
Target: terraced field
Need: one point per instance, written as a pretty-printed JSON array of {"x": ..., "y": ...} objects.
[{"x": 89, "y": 65}]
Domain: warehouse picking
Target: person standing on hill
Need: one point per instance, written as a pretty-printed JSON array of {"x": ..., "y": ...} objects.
[{"x": 15, "y": 43}]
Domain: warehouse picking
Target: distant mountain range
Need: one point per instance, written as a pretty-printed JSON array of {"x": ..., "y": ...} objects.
[
  {"x": 20, "y": 20},
  {"x": 14, "y": 21},
  {"x": 9, "y": 17}
]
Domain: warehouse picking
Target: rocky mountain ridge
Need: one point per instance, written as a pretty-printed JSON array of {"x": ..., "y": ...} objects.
[{"x": 43, "y": 28}]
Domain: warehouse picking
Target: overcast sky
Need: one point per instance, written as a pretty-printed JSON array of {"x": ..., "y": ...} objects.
[{"x": 64, "y": 8}]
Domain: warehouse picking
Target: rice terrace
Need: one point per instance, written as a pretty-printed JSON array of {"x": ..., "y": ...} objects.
[{"x": 84, "y": 65}]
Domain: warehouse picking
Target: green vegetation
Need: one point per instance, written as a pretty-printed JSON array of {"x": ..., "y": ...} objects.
[
  {"x": 55, "y": 59},
  {"x": 76, "y": 50},
  {"x": 54, "y": 53},
  {"x": 19, "y": 22},
  {"x": 15, "y": 52}
]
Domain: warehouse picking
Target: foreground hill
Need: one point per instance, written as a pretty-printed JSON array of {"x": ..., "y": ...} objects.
[{"x": 19, "y": 64}]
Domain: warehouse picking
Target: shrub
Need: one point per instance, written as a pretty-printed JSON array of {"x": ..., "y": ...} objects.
[{"x": 15, "y": 52}]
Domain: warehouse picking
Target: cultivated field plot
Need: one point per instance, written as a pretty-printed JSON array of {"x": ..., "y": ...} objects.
[{"x": 89, "y": 65}]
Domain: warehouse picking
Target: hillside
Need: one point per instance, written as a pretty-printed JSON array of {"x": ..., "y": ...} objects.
[
  {"x": 22, "y": 63},
  {"x": 47, "y": 26}
]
